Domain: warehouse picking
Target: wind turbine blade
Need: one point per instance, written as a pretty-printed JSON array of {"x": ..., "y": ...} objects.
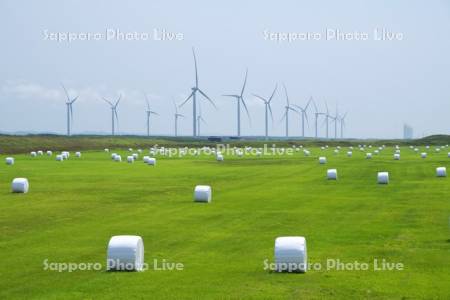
[
  {"x": 204, "y": 95},
  {"x": 270, "y": 109},
  {"x": 314, "y": 103},
  {"x": 293, "y": 109},
  {"x": 245, "y": 82},
  {"x": 118, "y": 100},
  {"x": 246, "y": 109},
  {"x": 234, "y": 96},
  {"x": 146, "y": 100},
  {"x": 117, "y": 117},
  {"x": 155, "y": 113},
  {"x": 65, "y": 91},
  {"x": 195, "y": 64},
  {"x": 307, "y": 104},
  {"x": 73, "y": 100},
  {"x": 298, "y": 107},
  {"x": 273, "y": 93},
  {"x": 260, "y": 98},
  {"x": 184, "y": 102},
  {"x": 283, "y": 117},
  {"x": 107, "y": 101},
  {"x": 306, "y": 118},
  {"x": 286, "y": 93},
  {"x": 326, "y": 105}
]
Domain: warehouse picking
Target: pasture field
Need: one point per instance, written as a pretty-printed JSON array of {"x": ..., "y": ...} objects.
[{"x": 74, "y": 207}]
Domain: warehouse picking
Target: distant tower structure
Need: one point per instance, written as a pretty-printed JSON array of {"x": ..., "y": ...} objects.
[{"x": 407, "y": 132}]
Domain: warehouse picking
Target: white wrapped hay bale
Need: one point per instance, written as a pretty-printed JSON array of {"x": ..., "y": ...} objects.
[
  {"x": 306, "y": 152},
  {"x": 78, "y": 154},
  {"x": 349, "y": 154},
  {"x": 416, "y": 150},
  {"x": 117, "y": 158},
  {"x": 219, "y": 157},
  {"x": 20, "y": 185},
  {"x": 423, "y": 155},
  {"x": 396, "y": 156},
  {"x": 322, "y": 160},
  {"x": 448, "y": 155},
  {"x": 40, "y": 152},
  {"x": 125, "y": 253},
  {"x": 376, "y": 152},
  {"x": 65, "y": 154},
  {"x": 130, "y": 149},
  {"x": 9, "y": 160},
  {"x": 59, "y": 157},
  {"x": 332, "y": 174},
  {"x": 383, "y": 177},
  {"x": 113, "y": 156},
  {"x": 49, "y": 153},
  {"x": 145, "y": 158},
  {"x": 202, "y": 193},
  {"x": 151, "y": 161},
  {"x": 135, "y": 156},
  {"x": 106, "y": 150},
  {"x": 33, "y": 154},
  {"x": 441, "y": 172},
  {"x": 368, "y": 155},
  {"x": 290, "y": 254},
  {"x": 130, "y": 159}
]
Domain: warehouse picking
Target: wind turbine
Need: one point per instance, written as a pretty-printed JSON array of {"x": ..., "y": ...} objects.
[
  {"x": 149, "y": 112},
  {"x": 239, "y": 99},
  {"x": 199, "y": 119},
  {"x": 287, "y": 108},
  {"x": 316, "y": 114},
  {"x": 69, "y": 104},
  {"x": 327, "y": 117},
  {"x": 268, "y": 108},
  {"x": 304, "y": 114},
  {"x": 177, "y": 115},
  {"x": 193, "y": 95},
  {"x": 343, "y": 125},
  {"x": 114, "y": 115},
  {"x": 336, "y": 119}
]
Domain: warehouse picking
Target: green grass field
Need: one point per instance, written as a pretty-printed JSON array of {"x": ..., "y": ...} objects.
[{"x": 74, "y": 207}]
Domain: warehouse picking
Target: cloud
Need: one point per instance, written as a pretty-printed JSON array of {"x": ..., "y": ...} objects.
[{"x": 31, "y": 91}]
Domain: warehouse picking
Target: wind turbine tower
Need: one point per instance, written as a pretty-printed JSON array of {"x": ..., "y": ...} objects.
[
  {"x": 240, "y": 99},
  {"x": 287, "y": 108},
  {"x": 114, "y": 115},
  {"x": 267, "y": 110},
  {"x": 69, "y": 103},
  {"x": 149, "y": 112}
]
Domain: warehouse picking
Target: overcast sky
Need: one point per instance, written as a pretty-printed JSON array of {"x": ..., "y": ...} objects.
[{"x": 380, "y": 83}]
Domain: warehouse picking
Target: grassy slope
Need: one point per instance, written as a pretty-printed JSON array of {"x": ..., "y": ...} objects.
[
  {"x": 74, "y": 207},
  {"x": 10, "y": 144}
]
